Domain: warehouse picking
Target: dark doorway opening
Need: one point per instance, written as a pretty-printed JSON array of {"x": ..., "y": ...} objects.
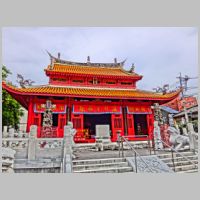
[
  {"x": 140, "y": 124},
  {"x": 91, "y": 120}
]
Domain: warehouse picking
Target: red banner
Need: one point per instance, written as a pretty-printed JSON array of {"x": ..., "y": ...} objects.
[
  {"x": 139, "y": 109},
  {"x": 96, "y": 109},
  {"x": 56, "y": 108}
]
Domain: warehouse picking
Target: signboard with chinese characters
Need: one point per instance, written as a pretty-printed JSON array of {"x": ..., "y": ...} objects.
[
  {"x": 56, "y": 108},
  {"x": 96, "y": 109},
  {"x": 139, "y": 109}
]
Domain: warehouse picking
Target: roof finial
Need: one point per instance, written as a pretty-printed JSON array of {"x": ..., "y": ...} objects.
[
  {"x": 132, "y": 68},
  {"x": 58, "y": 55},
  {"x": 88, "y": 59},
  {"x": 115, "y": 60}
]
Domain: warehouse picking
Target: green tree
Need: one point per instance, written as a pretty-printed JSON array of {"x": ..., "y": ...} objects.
[{"x": 11, "y": 109}]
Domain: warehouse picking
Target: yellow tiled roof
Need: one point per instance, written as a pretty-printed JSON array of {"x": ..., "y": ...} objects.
[
  {"x": 75, "y": 69},
  {"x": 88, "y": 92}
]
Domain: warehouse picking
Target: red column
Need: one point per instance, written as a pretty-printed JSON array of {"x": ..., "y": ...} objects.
[
  {"x": 30, "y": 115},
  {"x": 150, "y": 125},
  {"x": 131, "y": 129}
]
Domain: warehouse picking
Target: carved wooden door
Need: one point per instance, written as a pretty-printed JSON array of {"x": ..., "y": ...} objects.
[{"x": 117, "y": 125}]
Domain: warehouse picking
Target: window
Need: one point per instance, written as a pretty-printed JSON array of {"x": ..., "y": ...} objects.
[
  {"x": 94, "y": 81},
  {"x": 110, "y": 82},
  {"x": 77, "y": 81},
  {"x": 59, "y": 79},
  {"x": 126, "y": 83}
]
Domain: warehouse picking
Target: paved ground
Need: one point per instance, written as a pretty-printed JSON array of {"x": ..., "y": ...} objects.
[{"x": 91, "y": 154}]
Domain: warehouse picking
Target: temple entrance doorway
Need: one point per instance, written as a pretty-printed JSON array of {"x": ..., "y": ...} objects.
[
  {"x": 91, "y": 120},
  {"x": 140, "y": 124}
]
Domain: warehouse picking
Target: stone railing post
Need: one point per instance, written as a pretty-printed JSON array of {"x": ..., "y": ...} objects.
[
  {"x": 32, "y": 143},
  {"x": 5, "y": 129},
  {"x": 11, "y": 132},
  {"x": 67, "y": 151},
  {"x": 157, "y": 136},
  {"x": 191, "y": 136},
  {"x": 5, "y": 132}
]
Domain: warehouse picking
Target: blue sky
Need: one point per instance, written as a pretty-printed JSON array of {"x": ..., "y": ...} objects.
[{"x": 159, "y": 54}]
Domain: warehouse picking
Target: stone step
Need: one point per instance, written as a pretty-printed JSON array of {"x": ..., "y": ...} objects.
[
  {"x": 169, "y": 154},
  {"x": 7, "y": 162},
  {"x": 168, "y": 160},
  {"x": 99, "y": 166},
  {"x": 107, "y": 170},
  {"x": 185, "y": 168},
  {"x": 98, "y": 161},
  {"x": 188, "y": 171},
  {"x": 181, "y": 163}
]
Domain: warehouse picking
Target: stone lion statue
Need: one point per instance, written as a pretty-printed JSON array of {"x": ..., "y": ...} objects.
[{"x": 178, "y": 141}]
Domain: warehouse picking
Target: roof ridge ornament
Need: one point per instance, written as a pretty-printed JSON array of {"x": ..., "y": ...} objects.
[
  {"x": 132, "y": 70},
  {"x": 58, "y": 60},
  {"x": 24, "y": 82},
  {"x": 52, "y": 59},
  {"x": 88, "y": 59}
]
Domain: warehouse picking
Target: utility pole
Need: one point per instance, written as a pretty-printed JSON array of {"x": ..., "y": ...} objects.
[
  {"x": 184, "y": 80},
  {"x": 181, "y": 84}
]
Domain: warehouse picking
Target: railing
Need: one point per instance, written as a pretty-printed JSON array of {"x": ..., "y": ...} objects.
[
  {"x": 15, "y": 143},
  {"x": 136, "y": 154},
  {"x": 44, "y": 143},
  {"x": 144, "y": 138},
  {"x": 172, "y": 153},
  {"x": 49, "y": 132}
]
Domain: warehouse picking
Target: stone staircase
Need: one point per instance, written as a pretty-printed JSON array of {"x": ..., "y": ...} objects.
[
  {"x": 181, "y": 164},
  {"x": 106, "y": 165}
]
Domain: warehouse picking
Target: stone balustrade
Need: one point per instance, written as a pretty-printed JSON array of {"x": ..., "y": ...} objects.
[
  {"x": 44, "y": 143},
  {"x": 15, "y": 143},
  {"x": 35, "y": 150}
]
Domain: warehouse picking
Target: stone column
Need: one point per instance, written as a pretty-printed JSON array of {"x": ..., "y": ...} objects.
[
  {"x": 32, "y": 143},
  {"x": 157, "y": 137},
  {"x": 191, "y": 134},
  {"x": 5, "y": 132},
  {"x": 5, "y": 129},
  {"x": 11, "y": 132}
]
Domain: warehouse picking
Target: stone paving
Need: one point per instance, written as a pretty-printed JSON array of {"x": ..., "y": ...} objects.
[{"x": 92, "y": 154}]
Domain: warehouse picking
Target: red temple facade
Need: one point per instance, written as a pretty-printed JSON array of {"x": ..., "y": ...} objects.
[{"x": 90, "y": 94}]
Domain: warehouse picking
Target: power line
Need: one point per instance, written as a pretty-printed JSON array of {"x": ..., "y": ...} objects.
[{"x": 184, "y": 83}]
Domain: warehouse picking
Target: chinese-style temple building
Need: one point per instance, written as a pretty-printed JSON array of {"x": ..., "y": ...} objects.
[{"x": 90, "y": 94}]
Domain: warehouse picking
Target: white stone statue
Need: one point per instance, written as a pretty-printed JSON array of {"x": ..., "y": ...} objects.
[
  {"x": 178, "y": 141},
  {"x": 193, "y": 137},
  {"x": 171, "y": 120}
]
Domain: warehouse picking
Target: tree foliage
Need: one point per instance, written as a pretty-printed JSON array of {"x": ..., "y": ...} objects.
[{"x": 11, "y": 109}]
